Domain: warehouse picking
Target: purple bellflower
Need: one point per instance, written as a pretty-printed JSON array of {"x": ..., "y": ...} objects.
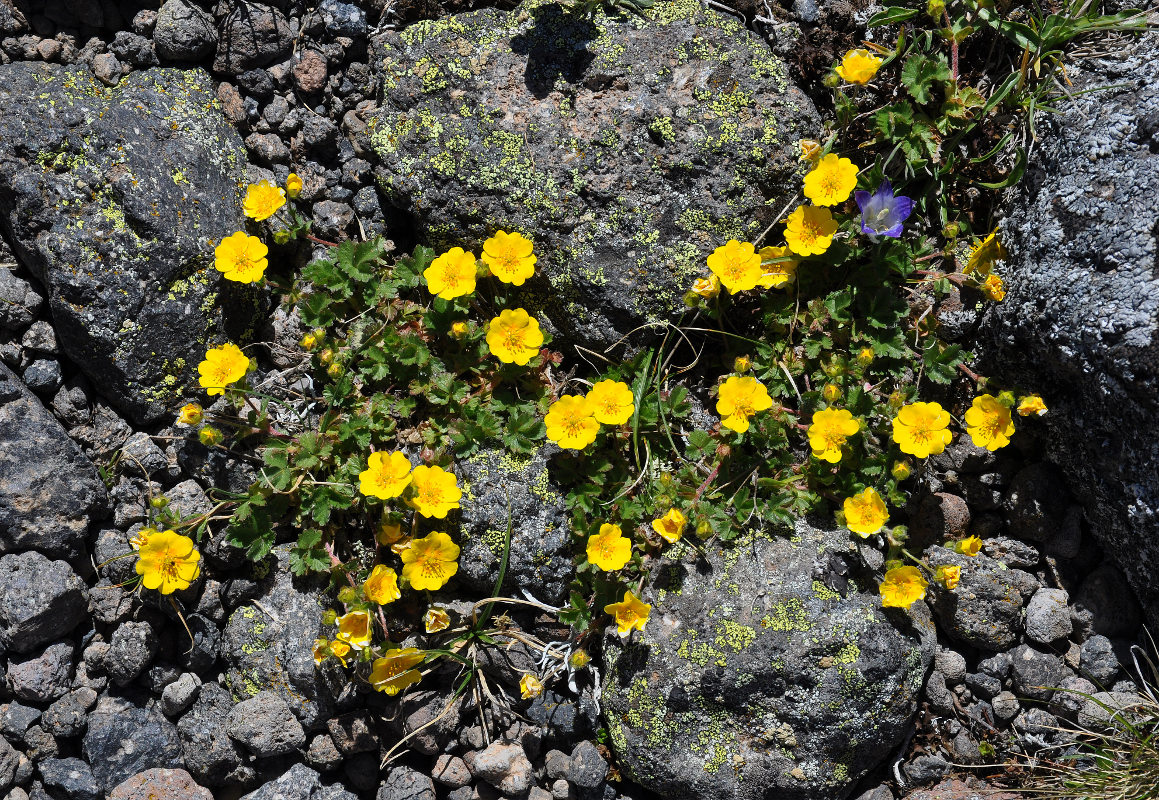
[{"x": 882, "y": 214}]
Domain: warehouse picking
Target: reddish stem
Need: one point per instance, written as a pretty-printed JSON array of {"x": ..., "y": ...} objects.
[{"x": 314, "y": 238}]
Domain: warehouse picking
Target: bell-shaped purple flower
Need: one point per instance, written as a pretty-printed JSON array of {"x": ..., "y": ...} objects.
[{"x": 882, "y": 214}]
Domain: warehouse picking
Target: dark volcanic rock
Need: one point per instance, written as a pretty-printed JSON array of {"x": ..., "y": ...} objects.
[
  {"x": 115, "y": 198},
  {"x": 767, "y": 670},
  {"x": 252, "y": 35},
  {"x": 627, "y": 148},
  {"x": 985, "y": 610},
  {"x": 211, "y": 756},
  {"x": 123, "y": 739},
  {"x": 42, "y": 600}
]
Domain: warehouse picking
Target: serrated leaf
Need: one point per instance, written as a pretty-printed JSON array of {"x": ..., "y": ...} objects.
[{"x": 921, "y": 74}]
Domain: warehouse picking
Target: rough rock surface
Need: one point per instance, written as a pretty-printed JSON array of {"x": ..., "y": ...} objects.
[
  {"x": 41, "y": 601},
  {"x": 160, "y": 784},
  {"x": 49, "y": 491},
  {"x": 985, "y": 610},
  {"x": 114, "y": 198},
  {"x": 1080, "y": 321},
  {"x": 124, "y": 739},
  {"x": 627, "y": 148},
  {"x": 772, "y": 671}
]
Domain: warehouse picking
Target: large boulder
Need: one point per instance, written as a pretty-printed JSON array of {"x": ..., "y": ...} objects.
[
  {"x": 114, "y": 198},
  {"x": 1080, "y": 321},
  {"x": 768, "y": 669},
  {"x": 627, "y": 147},
  {"x": 49, "y": 491}
]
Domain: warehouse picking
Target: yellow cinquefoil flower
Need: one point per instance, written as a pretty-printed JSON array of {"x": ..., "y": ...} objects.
[
  {"x": 738, "y": 266},
  {"x": 830, "y": 428},
  {"x": 138, "y": 539},
  {"x": 865, "y": 512},
  {"x": 858, "y": 66},
  {"x": 984, "y": 255},
  {"x": 436, "y": 619},
  {"x": 168, "y": 561},
  {"x": 430, "y": 562},
  {"x": 832, "y": 181},
  {"x": 671, "y": 525},
  {"x": 609, "y": 549},
  {"x": 395, "y": 671},
  {"x": 386, "y": 475},
  {"x": 988, "y": 422},
  {"x": 902, "y": 587},
  {"x": 968, "y": 546},
  {"x": 777, "y": 267},
  {"x": 948, "y": 576},
  {"x": 354, "y": 629},
  {"x": 324, "y": 649},
  {"x": 809, "y": 230},
  {"x": 262, "y": 200},
  {"x": 611, "y": 402},
  {"x": 452, "y": 274},
  {"x": 514, "y": 337},
  {"x": 293, "y": 185},
  {"x": 382, "y": 585},
  {"x": 571, "y": 422},
  {"x": 993, "y": 288},
  {"x": 530, "y": 687},
  {"x": 222, "y": 366},
  {"x": 388, "y": 533},
  {"x": 241, "y": 258},
  {"x": 740, "y": 398},
  {"x": 1031, "y": 404},
  {"x": 629, "y": 613},
  {"x": 810, "y": 150},
  {"x": 191, "y": 414},
  {"x": 436, "y": 491},
  {"x": 920, "y": 429},
  {"x": 707, "y": 288},
  {"x": 510, "y": 258}
]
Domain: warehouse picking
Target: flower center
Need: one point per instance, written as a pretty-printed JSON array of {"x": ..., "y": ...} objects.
[{"x": 513, "y": 338}]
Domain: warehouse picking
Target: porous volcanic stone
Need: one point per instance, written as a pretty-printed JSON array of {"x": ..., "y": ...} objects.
[
  {"x": 42, "y": 600},
  {"x": 266, "y": 726},
  {"x": 160, "y": 784},
  {"x": 627, "y": 147},
  {"x": 985, "y": 609},
  {"x": 124, "y": 739}
]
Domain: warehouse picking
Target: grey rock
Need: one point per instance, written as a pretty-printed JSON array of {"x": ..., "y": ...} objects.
[
  {"x": 997, "y": 665},
  {"x": 49, "y": 491},
  {"x": 538, "y": 794},
  {"x": 983, "y": 685},
  {"x": 39, "y": 744},
  {"x": 1005, "y": 706},
  {"x": 940, "y": 517},
  {"x": 1047, "y": 616},
  {"x": 43, "y": 677},
  {"x": 299, "y": 782},
  {"x": 926, "y": 769},
  {"x": 451, "y": 771},
  {"x": 142, "y": 456},
  {"x": 9, "y": 761},
  {"x": 68, "y": 715},
  {"x": 780, "y": 628},
  {"x": 141, "y": 182},
  {"x": 202, "y": 655},
  {"x": 1107, "y": 603},
  {"x": 985, "y": 610},
  {"x": 1080, "y": 233},
  {"x": 160, "y": 784},
  {"x": 40, "y": 339},
  {"x": 1104, "y": 707},
  {"x": 211, "y": 756},
  {"x": 333, "y": 792},
  {"x": 561, "y": 790},
  {"x": 251, "y": 35},
  {"x": 360, "y": 771},
  {"x": 1039, "y": 728},
  {"x": 42, "y": 600},
  {"x": 951, "y": 664},
  {"x": 123, "y": 739},
  {"x": 353, "y": 733},
  {"x": 882, "y": 792},
  {"x": 15, "y": 719},
  {"x": 332, "y": 218},
  {"x": 1037, "y": 503},
  {"x": 423, "y": 719},
  {"x": 617, "y": 149},
  {"x": 134, "y": 49},
  {"x": 180, "y": 694},
  {"x": 107, "y": 69},
  {"x": 504, "y": 765},
  {"x": 587, "y": 768},
  {"x": 267, "y": 148},
  {"x": 941, "y": 699},
  {"x": 71, "y": 777},
  {"x": 43, "y": 376},
  {"x": 966, "y": 749},
  {"x": 1098, "y": 661},
  {"x": 557, "y": 764},
  {"x": 1012, "y": 552},
  {"x": 404, "y": 783},
  {"x": 265, "y": 725},
  {"x": 131, "y": 650},
  {"x": 343, "y": 19},
  {"x": 1036, "y": 674},
  {"x": 540, "y": 560},
  {"x": 565, "y": 718},
  {"x": 20, "y": 302},
  {"x": 1072, "y": 695},
  {"x": 322, "y": 754}
]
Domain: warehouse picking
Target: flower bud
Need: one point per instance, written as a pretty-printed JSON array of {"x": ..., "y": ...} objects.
[
  {"x": 831, "y": 393},
  {"x": 329, "y": 617},
  {"x": 326, "y": 356},
  {"x": 191, "y": 414},
  {"x": 210, "y": 437},
  {"x": 707, "y": 288},
  {"x": 951, "y": 230},
  {"x": 896, "y": 400},
  {"x": 347, "y": 595},
  {"x": 703, "y": 529},
  {"x": 899, "y": 534},
  {"x": 459, "y": 330},
  {"x": 832, "y": 80},
  {"x": 835, "y": 367},
  {"x": 334, "y": 370},
  {"x": 663, "y": 502},
  {"x": 900, "y": 470},
  {"x": 309, "y": 341},
  {"x": 666, "y": 479},
  {"x": 810, "y": 150},
  {"x": 935, "y": 9},
  {"x": 159, "y": 502},
  {"x": 1006, "y": 399},
  {"x": 579, "y": 659},
  {"x": 281, "y": 236},
  {"x": 293, "y": 186},
  {"x": 741, "y": 365},
  {"x": 865, "y": 356}
]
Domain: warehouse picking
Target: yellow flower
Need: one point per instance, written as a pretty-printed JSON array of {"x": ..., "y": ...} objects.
[
  {"x": 510, "y": 258},
  {"x": 191, "y": 414},
  {"x": 530, "y": 687},
  {"x": 629, "y": 613},
  {"x": 340, "y": 650},
  {"x": 382, "y": 585},
  {"x": 452, "y": 274},
  {"x": 827, "y": 434},
  {"x": 968, "y": 546},
  {"x": 902, "y": 587},
  {"x": 324, "y": 649},
  {"x": 293, "y": 185},
  {"x": 138, "y": 539},
  {"x": 777, "y": 266},
  {"x": 988, "y": 422},
  {"x": 459, "y": 330},
  {"x": 984, "y": 255},
  {"x": 395, "y": 671},
  {"x": 571, "y": 422},
  {"x": 707, "y": 288},
  {"x": 832, "y": 181},
  {"x": 920, "y": 429},
  {"x": 738, "y": 266},
  {"x": 354, "y": 629},
  {"x": 241, "y": 257},
  {"x": 262, "y": 200},
  {"x": 388, "y": 533},
  {"x": 1031, "y": 404},
  {"x": 514, "y": 337},
  {"x": 858, "y": 66},
  {"x": 386, "y": 475},
  {"x": 436, "y": 619},
  {"x": 740, "y": 398},
  {"x": 993, "y": 288},
  {"x": 671, "y": 525},
  {"x": 430, "y": 562},
  {"x": 809, "y": 230},
  {"x": 222, "y": 366},
  {"x": 865, "y": 512},
  {"x": 810, "y": 150},
  {"x": 321, "y": 650},
  {"x": 609, "y": 549},
  {"x": 611, "y": 402},
  {"x": 436, "y": 491},
  {"x": 949, "y": 576},
  {"x": 168, "y": 561}
]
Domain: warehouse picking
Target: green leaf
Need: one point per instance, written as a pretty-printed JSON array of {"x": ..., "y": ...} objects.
[
  {"x": 1015, "y": 174},
  {"x": 941, "y": 363},
  {"x": 920, "y": 74},
  {"x": 892, "y": 15}
]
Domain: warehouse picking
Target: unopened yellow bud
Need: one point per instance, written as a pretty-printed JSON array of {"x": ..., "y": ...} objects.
[
  {"x": 896, "y": 400},
  {"x": 210, "y": 437},
  {"x": 326, "y": 356},
  {"x": 831, "y": 393},
  {"x": 865, "y": 356},
  {"x": 347, "y": 595},
  {"x": 459, "y": 330},
  {"x": 741, "y": 365},
  {"x": 191, "y": 414},
  {"x": 579, "y": 659},
  {"x": 329, "y": 617},
  {"x": 281, "y": 236},
  {"x": 293, "y": 185},
  {"x": 900, "y": 470},
  {"x": 309, "y": 341},
  {"x": 334, "y": 370},
  {"x": 703, "y": 529}
]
